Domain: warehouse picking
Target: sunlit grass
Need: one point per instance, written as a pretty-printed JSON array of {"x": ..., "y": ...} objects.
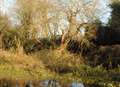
[
  {"x": 52, "y": 64},
  {"x": 13, "y": 65}
]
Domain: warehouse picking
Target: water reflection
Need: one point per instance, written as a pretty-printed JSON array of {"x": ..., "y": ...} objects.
[
  {"x": 45, "y": 83},
  {"x": 50, "y": 83},
  {"x": 29, "y": 84},
  {"x": 75, "y": 84}
]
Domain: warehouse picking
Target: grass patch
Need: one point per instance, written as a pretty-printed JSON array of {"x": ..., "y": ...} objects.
[
  {"x": 59, "y": 61},
  {"x": 55, "y": 64},
  {"x": 71, "y": 67},
  {"x": 14, "y": 65}
]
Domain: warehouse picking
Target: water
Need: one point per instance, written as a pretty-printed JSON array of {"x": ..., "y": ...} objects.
[
  {"x": 75, "y": 84},
  {"x": 45, "y": 83}
]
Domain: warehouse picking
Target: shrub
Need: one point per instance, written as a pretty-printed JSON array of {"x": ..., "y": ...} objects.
[
  {"x": 61, "y": 62},
  {"x": 10, "y": 39},
  {"x": 31, "y": 46}
]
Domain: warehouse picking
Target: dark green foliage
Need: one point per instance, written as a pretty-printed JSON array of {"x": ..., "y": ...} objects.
[
  {"x": 115, "y": 17},
  {"x": 10, "y": 38},
  {"x": 14, "y": 38},
  {"x": 46, "y": 43},
  {"x": 110, "y": 35},
  {"x": 32, "y": 46},
  {"x": 108, "y": 40},
  {"x": 108, "y": 56}
]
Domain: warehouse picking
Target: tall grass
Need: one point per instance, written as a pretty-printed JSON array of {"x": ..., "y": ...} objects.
[{"x": 59, "y": 62}]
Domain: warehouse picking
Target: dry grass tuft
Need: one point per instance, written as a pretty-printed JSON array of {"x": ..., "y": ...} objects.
[
  {"x": 60, "y": 61},
  {"x": 22, "y": 66}
]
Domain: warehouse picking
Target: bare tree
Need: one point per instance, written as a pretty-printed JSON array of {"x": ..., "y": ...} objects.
[
  {"x": 79, "y": 8},
  {"x": 34, "y": 16}
]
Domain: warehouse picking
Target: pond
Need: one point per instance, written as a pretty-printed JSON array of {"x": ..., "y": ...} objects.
[{"x": 45, "y": 83}]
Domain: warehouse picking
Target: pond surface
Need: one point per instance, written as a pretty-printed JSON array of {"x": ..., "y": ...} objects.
[{"x": 45, "y": 83}]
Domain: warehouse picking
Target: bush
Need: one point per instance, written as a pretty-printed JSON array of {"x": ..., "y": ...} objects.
[
  {"x": 31, "y": 46},
  {"x": 10, "y": 39},
  {"x": 61, "y": 62}
]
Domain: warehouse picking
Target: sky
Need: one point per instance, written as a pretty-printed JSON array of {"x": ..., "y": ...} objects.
[
  {"x": 7, "y": 5},
  {"x": 6, "y": 8},
  {"x": 106, "y": 10},
  {"x": 103, "y": 10}
]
